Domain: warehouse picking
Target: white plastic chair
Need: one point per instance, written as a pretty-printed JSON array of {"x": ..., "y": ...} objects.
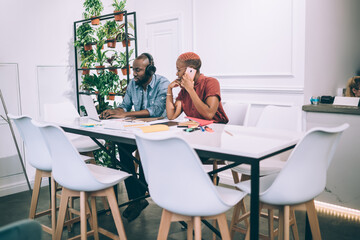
[
  {"x": 80, "y": 179},
  {"x": 65, "y": 113},
  {"x": 165, "y": 161},
  {"x": 274, "y": 117},
  {"x": 238, "y": 113},
  {"x": 39, "y": 157},
  {"x": 302, "y": 178}
]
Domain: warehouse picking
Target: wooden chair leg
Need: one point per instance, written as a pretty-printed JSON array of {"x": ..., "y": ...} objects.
[
  {"x": 62, "y": 212},
  {"x": 94, "y": 218},
  {"x": 313, "y": 219},
  {"x": 115, "y": 212},
  {"x": 235, "y": 217},
  {"x": 165, "y": 225},
  {"x": 215, "y": 167},
  {"x": 235, "y": 176},
  {"x": 35, "y": 194},
  {"x": 223, "y": 226},
  {"x": 271, "y": 223},
  {"x": 286, "y": 222},
  {"x": 214, "y": 225},
  {"x": 53, "y": 207},
  {"x": 197, "y": 228},
  {"x": 281, "y": 224},
  {"x": 293, "y": 224},
  {"x": 190, "y": 229},
  {"x": 83, "y": 228}
]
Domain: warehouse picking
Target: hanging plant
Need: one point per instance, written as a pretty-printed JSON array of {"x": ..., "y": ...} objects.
[
  {"x": 113, "y": 67},
  {"x": 123, "y": 37},
  {"x": 123, "y": 61},
  {"x": 87, "y": 58},
  {"x": 101, "y": 36},
  {"x": 111, "y": 30},
  {"x": 119, "y": 6},
  {"x": 84, "y": 37},
  {"x": 93, "y": 8}
]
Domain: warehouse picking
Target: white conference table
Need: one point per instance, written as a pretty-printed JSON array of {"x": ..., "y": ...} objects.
[{"x": 236, "y": 144}]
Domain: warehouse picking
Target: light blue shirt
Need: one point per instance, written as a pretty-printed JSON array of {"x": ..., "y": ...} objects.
[{"x": 153, "y": 99}]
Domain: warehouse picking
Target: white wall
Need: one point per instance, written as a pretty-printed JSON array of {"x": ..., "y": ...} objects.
[{"x": 332, "y": 45}]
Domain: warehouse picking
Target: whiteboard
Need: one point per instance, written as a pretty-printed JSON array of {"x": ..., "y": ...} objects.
[{"x": 55, "y": 84}]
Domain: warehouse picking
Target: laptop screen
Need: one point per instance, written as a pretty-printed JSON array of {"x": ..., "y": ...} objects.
[{"x": 89, "y": 107}]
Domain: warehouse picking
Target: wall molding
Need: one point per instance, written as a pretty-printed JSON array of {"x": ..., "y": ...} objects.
[{"x": 284, "y": 90}]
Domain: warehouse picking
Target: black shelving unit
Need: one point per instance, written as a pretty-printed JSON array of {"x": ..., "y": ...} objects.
[{"x": 132, "y": 39}]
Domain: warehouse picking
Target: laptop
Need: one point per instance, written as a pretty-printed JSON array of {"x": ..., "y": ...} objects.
[{"x": 89, "y": 105}]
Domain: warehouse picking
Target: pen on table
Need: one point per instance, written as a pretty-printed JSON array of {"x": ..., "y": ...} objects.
[
  {"x": 228, "y": 133},
  {"x": 208, "y": 129},
  {"x": 202, "y": 129}
]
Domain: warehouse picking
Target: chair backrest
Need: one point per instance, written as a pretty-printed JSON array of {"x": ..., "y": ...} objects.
[
  {"x": 304, "y": 175},
  {"x": 176, "y": 179},
  {"x": 69, "y": 170},
  {"x": 237, "y": 112},
  {"x": 27, "y": 229},
  {"x": 37, "y": 153},
  {"x": 281, "y": 117},
  {"x": 64, "y": 112}
]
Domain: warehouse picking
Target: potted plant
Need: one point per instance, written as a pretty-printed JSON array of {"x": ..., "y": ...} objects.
[
  {"x": 93, "y": 8},
  {"x": 111, "y": 29},
  {"x": 112, "y": 83},
  {"x": 100, "y": 57},
  {"x": 84, "y": 36},
  {"x": 123, "y": 61},
  {"x": 113, "y": 67},
  {"x": 119, "y": 6},
  {"x": 88, "y": 83},
  {"x": 122, "y": 87},
  {"x": 100, "y": 34},
  {"x": 123, "y": 37},
  {"x": 87, "y": 58}
]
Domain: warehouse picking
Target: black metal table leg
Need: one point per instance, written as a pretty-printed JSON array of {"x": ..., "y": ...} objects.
[{"x": 254, "y": 201}]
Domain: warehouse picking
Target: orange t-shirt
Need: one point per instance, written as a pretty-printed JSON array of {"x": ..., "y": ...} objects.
[{"x": 204, "y": 88}]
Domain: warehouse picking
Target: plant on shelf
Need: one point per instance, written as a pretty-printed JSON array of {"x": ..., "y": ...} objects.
[
  {"x": 100, "y": 35},
  {"x": 122, "y": 36},
  {"x": 84, "y": 37},
  {"x": 123, "y": 61},
  {"x": 113, "y": 67},
  {"x": 111, "y": 30},
  {"x": 100, "y": 56},
  {"x": 93, "y": 8},
  {"x": 119, "y": 6},
  {"x": 87, "y": 58}
]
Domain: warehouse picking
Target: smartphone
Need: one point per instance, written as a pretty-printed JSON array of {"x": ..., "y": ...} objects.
[{"x": 191, "y": 72}]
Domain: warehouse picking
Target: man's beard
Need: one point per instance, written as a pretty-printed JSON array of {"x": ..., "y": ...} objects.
[{"x": 141, "y": 81}]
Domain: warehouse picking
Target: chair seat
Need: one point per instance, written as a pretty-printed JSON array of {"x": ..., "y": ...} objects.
[
  {"x": 86, "y": 158},
  {"x": 107, "y": 176},
  {"x": 230, "y": 196},
  {"x": 265, "y": 183},
  {"x": 267, "y": 166},
  {"x": 84, "y": 143}
]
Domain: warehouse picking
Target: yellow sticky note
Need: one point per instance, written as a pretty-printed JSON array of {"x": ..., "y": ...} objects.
[{"x": 154, "y": 128}]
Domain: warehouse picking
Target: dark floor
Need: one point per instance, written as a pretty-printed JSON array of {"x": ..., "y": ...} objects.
[{"x": 16, "y": 207}]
